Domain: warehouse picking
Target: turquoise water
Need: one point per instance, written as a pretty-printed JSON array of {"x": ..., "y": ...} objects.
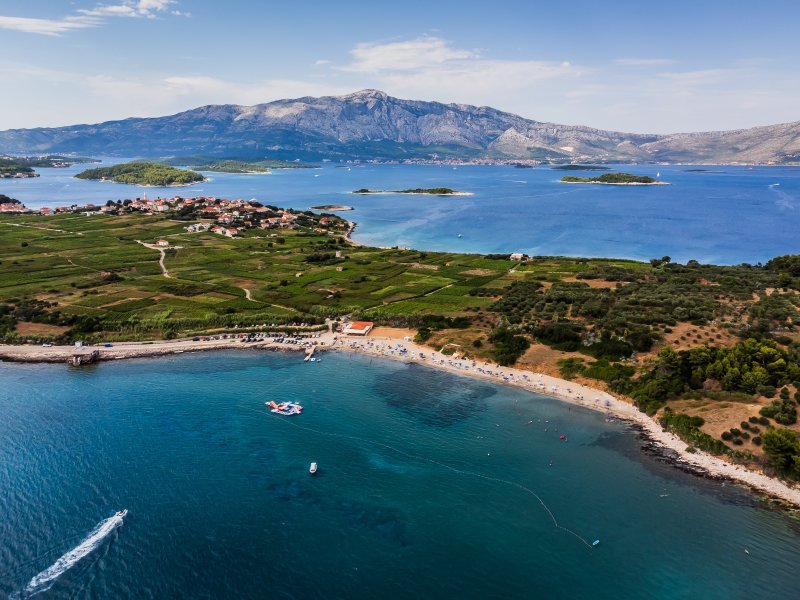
[
  {"x": 725, "y": 216},
  {"x": 416, "y": 496}
]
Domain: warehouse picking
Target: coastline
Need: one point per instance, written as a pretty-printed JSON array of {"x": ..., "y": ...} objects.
[
  {"x": 147, "y": 185},
  {"x": 668, "y": 445}
]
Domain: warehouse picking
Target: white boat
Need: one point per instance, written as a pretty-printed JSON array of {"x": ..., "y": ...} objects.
[{"x": 313, "y": 468}]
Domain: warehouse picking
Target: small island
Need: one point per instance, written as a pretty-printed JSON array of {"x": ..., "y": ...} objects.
[
  {"x": 580, "y": 168},
  {"x": 332, "y": 207},
  {"x": 437, "y": 191},
  {"x": 234, "y": 165},
  {"x": 614, "y": 179},
  {"x": 143, "y": 173}
]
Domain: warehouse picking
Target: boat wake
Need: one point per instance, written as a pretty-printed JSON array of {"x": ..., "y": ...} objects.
[{"x": 45, "y": 580}]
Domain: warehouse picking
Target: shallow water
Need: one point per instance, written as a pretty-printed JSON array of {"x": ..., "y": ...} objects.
[
  {"x": 416, "y": 495},
  {"x": 724, "y": 215}
]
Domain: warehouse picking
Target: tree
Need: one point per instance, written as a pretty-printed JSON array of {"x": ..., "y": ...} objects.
[{"x": 783, "y": 448}]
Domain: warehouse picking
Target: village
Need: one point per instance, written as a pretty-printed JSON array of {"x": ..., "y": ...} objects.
[{"x": 217, "y": 215}]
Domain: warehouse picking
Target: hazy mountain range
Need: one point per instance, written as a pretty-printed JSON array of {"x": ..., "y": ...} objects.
[{"x": 371, "y": 125}]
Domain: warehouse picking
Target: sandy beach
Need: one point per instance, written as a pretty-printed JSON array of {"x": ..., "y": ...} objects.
[{"x": 394, "y": 346}]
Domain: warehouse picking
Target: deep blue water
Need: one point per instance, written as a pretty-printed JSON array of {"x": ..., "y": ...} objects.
[
  {"x": 222, "y": 506},
  {"x": 726, "y": 216}
]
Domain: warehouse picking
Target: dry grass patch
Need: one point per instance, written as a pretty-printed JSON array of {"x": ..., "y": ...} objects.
[
  {"x": 39, "y": 329},
  {"x": 598, "y": 284}
]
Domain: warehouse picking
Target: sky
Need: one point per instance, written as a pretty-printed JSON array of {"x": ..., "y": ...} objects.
[{"x": 635, "y": 66}]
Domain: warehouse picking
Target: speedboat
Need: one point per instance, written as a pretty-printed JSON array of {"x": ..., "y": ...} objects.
[{"x": 313, "y": 468}]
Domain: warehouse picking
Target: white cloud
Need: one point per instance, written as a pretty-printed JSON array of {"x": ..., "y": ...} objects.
[
  {"x": 702, "y": 77},
  {"x": 410, "y": 55},
  {"x": 159, "y": 96},
  {"x": 48, "y": 26},
  {"x": 644, "y": 62},
  {"x": 132, "y": 8},
  {"x": 429, "y": 65},
  {"x": 92, "y": 17}
]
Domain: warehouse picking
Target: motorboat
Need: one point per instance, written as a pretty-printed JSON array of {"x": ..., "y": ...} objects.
[
  {"x": 313, "y": 468},
  {"x": 284, "y": 408}
]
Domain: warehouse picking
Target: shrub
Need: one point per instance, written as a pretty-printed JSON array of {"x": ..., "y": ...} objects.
[
  {"x": 737, "y": 442},
  {"x": 766, "y": 390},
  {"x": 423, "y": 335},
  {"x": 744, "y": 425},
  {"x": 757, "y": 440},
  {"x": 688, "y": 428},
  {"x": 727, "y": 436},
  {"x": 508, "y": 347},
  {"x": 753, "y": 419},
  {"x": 783, "y": 411}
]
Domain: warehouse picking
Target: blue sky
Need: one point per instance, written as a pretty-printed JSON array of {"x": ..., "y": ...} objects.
[{"x": 632, "y": 66}]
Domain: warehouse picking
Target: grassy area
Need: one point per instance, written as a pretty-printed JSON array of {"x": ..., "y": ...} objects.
[{"x": 94, "y": 266}]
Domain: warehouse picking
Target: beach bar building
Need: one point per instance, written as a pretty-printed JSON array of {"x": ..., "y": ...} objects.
[{"x": 357, "y": 327}]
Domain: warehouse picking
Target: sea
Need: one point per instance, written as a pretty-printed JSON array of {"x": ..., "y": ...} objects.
[
  {"x": 430, "y": 485},
  {"x": 719, "y": 215}
]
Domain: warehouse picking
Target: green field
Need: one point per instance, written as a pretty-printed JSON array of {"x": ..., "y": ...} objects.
[{"x": 94, "y": 266}]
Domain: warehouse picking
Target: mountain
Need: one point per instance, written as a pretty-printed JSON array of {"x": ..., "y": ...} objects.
[{"x": 372, "y": 125}]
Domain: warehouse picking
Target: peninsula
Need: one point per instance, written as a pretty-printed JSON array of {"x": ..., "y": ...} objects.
[
  {"x": 437, "y": 191},
  {"x": 143, "y": 173},
  {"x": 23, "y": 166},
  {"x": 201, "y": 163},
  {"x": 15, "y": 169},
  {"x": 614, "y": 179}
]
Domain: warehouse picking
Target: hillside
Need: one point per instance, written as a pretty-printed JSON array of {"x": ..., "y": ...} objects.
[{"x": 372, "y": 125}]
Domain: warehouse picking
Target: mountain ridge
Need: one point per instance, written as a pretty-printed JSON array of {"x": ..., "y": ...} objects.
[{"x": 370, "y": 124}]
